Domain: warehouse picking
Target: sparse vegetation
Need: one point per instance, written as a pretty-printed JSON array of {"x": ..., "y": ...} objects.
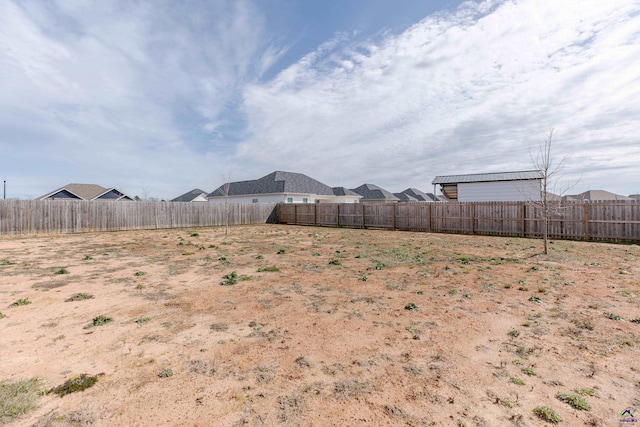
[
  {"x": 139, "y": 273},
  {"x": 18, "y": 398},
  {"x": 411, "y": 306},
  {"x": 99, "y": 321},
  {"x": 529, "y": 371},
  {"x": 316, "y": 333},
  {"x": 547, "y": 414},
  {"x": 348, "y": 388},
  {"x": 516, "y": 381},
  {"x": 229, "y": 279},
  {"x": 20, "y": 302},
  {"x": 335, "y": 262},
  {"x": 75, "y": 384},
  {"x": 61, "y": 271},
  {"x": 613, "y": 316},
  {"x": 79, "y": 297},
  {"x": 575, "y": 400},
  {"x": 165, "y": 373}
]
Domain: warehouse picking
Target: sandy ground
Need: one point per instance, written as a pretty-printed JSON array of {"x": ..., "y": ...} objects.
[{"x": 498, "y": 328}]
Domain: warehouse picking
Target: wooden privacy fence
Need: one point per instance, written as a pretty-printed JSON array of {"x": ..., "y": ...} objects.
[
  {"x": 76, "y": 216},
  {"x": 602, "y": 220}
]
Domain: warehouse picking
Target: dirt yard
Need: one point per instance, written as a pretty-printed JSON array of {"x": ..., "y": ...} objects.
[{"x": 321, "y": 327}]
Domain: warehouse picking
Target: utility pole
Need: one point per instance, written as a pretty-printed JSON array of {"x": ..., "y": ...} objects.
[{"x": 5, "y": 189}]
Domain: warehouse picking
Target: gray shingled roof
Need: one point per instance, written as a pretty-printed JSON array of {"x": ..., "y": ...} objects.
[
  {"x": 84, "y": 191},
  {"x": 275, "y": 182},
  {"x": 420, "y": 195},
  {"x": 373, "y": 192},
  {"x": 342, "y": 191},
  {"x": 405, "y": 197},
  {"x": 189, "y": 196},
  {"x": 485, "y": 177}
]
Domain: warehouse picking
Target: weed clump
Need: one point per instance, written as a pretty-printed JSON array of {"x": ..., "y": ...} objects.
[
  {"x": 229, "y": 279},
  {"x": 272, "y": 268},
  {"x": 411, "y": 307},
  {"x": 574, "y": 400},
  {"x": 613, "y": 316},
  {"x": 143, "y": 320},
  {"x": 61, "y": 271},
  {"x": 347, "y": 388},
  {"x": 21, "y": 301},
  {"x": 139, "y": 273},
  {"x": 547, "y": 414},
  {"x": 335, "y": 262},
  {"x": 2, "y": 316},
  {"x": 99, "y": 321},
  {"x": 79, "y": 383},
  {"x": 79, "y": 297},
  {"x": 165, "y": 373}
]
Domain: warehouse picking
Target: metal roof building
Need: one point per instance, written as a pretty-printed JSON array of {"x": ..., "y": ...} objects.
[{"x": 490, "y": 187}]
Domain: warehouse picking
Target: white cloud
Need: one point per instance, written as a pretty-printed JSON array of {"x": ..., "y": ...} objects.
[
  {"x": 468, "y": 91},
  {"x": 122, "y": 92}
]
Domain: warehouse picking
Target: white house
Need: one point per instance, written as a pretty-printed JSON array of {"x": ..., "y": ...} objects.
[
  {"x": 86, "y": 192},
  {"x": 278, "y": 186},
  {"x": 491, "y": 187},
  {"x": 195, "y": 195}
]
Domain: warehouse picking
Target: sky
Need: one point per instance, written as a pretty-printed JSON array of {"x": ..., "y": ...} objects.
[{"x": 156, "y": 98}]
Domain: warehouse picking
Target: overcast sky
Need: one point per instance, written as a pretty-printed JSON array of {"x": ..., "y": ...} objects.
[{"x": 159, "y": 97}]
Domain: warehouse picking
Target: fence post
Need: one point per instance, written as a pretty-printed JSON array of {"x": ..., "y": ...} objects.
[
  {"x": 363, "y": 224},
  {"x": 473, "y": 215},
  {"x": 315, "y": 214},
  {"x": 586, "y": 220},
  {"x": 393, "y": 216},
  {"x": 338, "y": 214},
  {"x": 523, "y": 222}
]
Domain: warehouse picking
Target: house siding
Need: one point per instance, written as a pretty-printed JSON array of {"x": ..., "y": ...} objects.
[{"x": 507, "y": 191}]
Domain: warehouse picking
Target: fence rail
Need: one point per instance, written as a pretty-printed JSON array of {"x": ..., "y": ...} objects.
[
  {"x": 602, "y": 220},
  {"x": 77, "y": 216}
]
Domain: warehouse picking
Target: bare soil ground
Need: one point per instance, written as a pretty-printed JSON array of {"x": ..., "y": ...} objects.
[{"x": 357, "y": 327}]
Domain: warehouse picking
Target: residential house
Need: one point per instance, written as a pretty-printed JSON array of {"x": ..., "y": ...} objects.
[
  {"x": 279, "y": 186},
  {"x": 86, "y": 192},
  {"x": 195, "y": 195},
  {"x": 373, "y": 194},
  {"x": 595, "y": 195},
  {"x": 344, "y": 195},
  {"x": 418, "y": 195},
  {"x": 491, "y": 187}
]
